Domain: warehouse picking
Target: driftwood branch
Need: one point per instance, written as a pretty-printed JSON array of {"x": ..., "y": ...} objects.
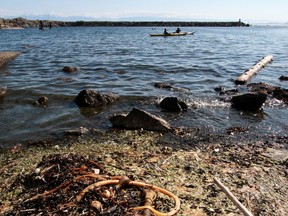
[
  {"x": 239, "y": 205},
  {"x": 248, "y": 74}
]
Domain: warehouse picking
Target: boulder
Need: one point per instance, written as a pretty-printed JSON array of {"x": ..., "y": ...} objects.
[
  {"x": 173, "y": 104},
  {"x": 249, "y": 102},
  {"x": 140, "y": 119},
  {"x": 256, "y": 87},
  {"x": 7, "y": 56},
  {"x": 283, "y": 78},
  {"x": 281, "y": 94},
  {"x": 69, "y": 69},
  {"x": 90, "y": 98}
]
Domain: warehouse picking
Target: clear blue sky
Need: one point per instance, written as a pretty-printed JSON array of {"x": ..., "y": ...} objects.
[{"x": 190, "y": 10}]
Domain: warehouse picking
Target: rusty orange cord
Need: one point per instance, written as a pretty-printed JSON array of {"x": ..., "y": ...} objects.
[{"x": 138, "y": 184}]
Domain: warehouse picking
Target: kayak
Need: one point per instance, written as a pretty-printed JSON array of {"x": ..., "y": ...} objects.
[{"x": 171, "y": 34}]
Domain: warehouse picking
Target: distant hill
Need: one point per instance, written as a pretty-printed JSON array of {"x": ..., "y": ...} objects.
[{"x": 24, "y": 23}]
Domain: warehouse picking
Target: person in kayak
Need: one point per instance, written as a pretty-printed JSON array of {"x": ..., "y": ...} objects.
[
  {"x": 165, "y": 32},
  {"x": 178, "y": 30}
]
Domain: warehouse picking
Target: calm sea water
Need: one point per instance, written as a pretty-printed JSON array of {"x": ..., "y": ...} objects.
[{"x": 127, "y": 61}]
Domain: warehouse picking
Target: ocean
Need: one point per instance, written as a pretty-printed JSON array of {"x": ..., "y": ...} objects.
[{"x": 128, "y": 62}]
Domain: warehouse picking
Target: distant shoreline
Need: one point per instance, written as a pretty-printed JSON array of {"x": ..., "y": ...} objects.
[{"x": 24, "y": 23}]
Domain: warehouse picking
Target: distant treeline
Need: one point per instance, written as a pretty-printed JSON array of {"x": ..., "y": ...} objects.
[
  {"x": 158, "y": 23},
  {"x": 24, "y": 23}
]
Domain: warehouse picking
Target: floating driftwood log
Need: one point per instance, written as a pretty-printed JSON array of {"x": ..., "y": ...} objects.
[{"x": 248, "y": 74}]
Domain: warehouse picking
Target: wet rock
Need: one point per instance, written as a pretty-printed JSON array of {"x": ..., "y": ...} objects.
[
  {"x": 7, "y": 56},
  {"x": 279, "y": 155},
  {"x": 163, "y": 85},
  {"x": 69, "y": 69},
  {"x": 169, "y": 87},
  {"x": 77, "y": 132},
  {"x": 223, "y": 91},
  {"x": 281, "y": 94},
  {"x": 42, "y": 102},
  {"x": 90, "y": 98},
  {"x": 140, "y": 119},
  {"x": 3, "y": 91},
  {"x": 249, "y": 102},
  {"x": 283, "y": 78},
  {"x": 256, "y": 87},
  {"x": 173, "y": 104}
]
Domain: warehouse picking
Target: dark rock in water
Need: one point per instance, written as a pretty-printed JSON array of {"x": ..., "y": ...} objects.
[
  {"x": 139, "y": 119},
  {"x": 7, "y": 56},
  {"x": 69, "y": 69},
  {"x": 283, "y": 78},
  {"x": 42, "y": 102},
  {"x": 219, "y": 89},
  {"x": 3, "y": 91},
  {"x": 223, "y": 91},
  {"x": 256, "y": 87},
  {"x": 90, "y": 98},
  {"x": 163, "y": 85},
  {"x": 276, "y": 92},
  {"x": 173, "y": 104},
  {"x": 169, "y": 87},
  {"x": 281, "y": 94},
  {"x": 249, "y": 102}
]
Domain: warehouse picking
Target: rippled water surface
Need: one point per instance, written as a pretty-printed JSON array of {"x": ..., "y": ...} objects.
[{"x": 127, "y": 61}]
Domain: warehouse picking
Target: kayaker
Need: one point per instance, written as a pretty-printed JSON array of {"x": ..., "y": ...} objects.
[
  {"x": 178, "y": 30},
  {"x": 165, "y": 32}
]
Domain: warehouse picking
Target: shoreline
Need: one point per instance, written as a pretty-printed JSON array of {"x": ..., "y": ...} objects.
[
  {"x": 255, "y": 171},
  {"x": 24, "y": 23}
]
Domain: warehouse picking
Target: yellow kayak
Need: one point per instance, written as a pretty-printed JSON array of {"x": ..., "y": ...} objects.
[{"x": 171, "y": 34}]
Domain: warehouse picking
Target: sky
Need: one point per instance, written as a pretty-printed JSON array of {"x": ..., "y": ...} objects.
[{"x": 249, "y": 11}]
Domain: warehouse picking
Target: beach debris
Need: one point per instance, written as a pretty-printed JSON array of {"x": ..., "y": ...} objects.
[
  {"x": 239, "y": 205},
  {"x": 173, "y": 104},
  {"x": 90, "y": 98},
  {"x": 140, "y": 119},
  {"x": 70, "y": 186},
  {"x": 249, "y": 74},
  {"x": 7, "y": 56},
  {"x": 69, "y": 69},
  {"x": 249, "y": 102}
]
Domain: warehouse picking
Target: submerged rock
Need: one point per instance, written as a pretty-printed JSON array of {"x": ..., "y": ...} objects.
[
  {"x": 173, "y": 104},
  {"x": 3, "y": 91},
  {"x": 140, "y": 119},
  {"x": 249, "y": 102},
  {"x": 69, "y": 69},
  {"x": 283, "y": 78},
  {"x": 90, "y": 98},
  {"x": 163, "y": 85},
  {"x": 42, "y": 101}
]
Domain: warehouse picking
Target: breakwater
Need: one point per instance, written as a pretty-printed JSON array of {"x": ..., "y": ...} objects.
[{"x": 24, "y": 23}]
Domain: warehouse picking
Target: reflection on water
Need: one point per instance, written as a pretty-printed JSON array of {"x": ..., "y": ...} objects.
[{"x": 127, "y": 62}]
